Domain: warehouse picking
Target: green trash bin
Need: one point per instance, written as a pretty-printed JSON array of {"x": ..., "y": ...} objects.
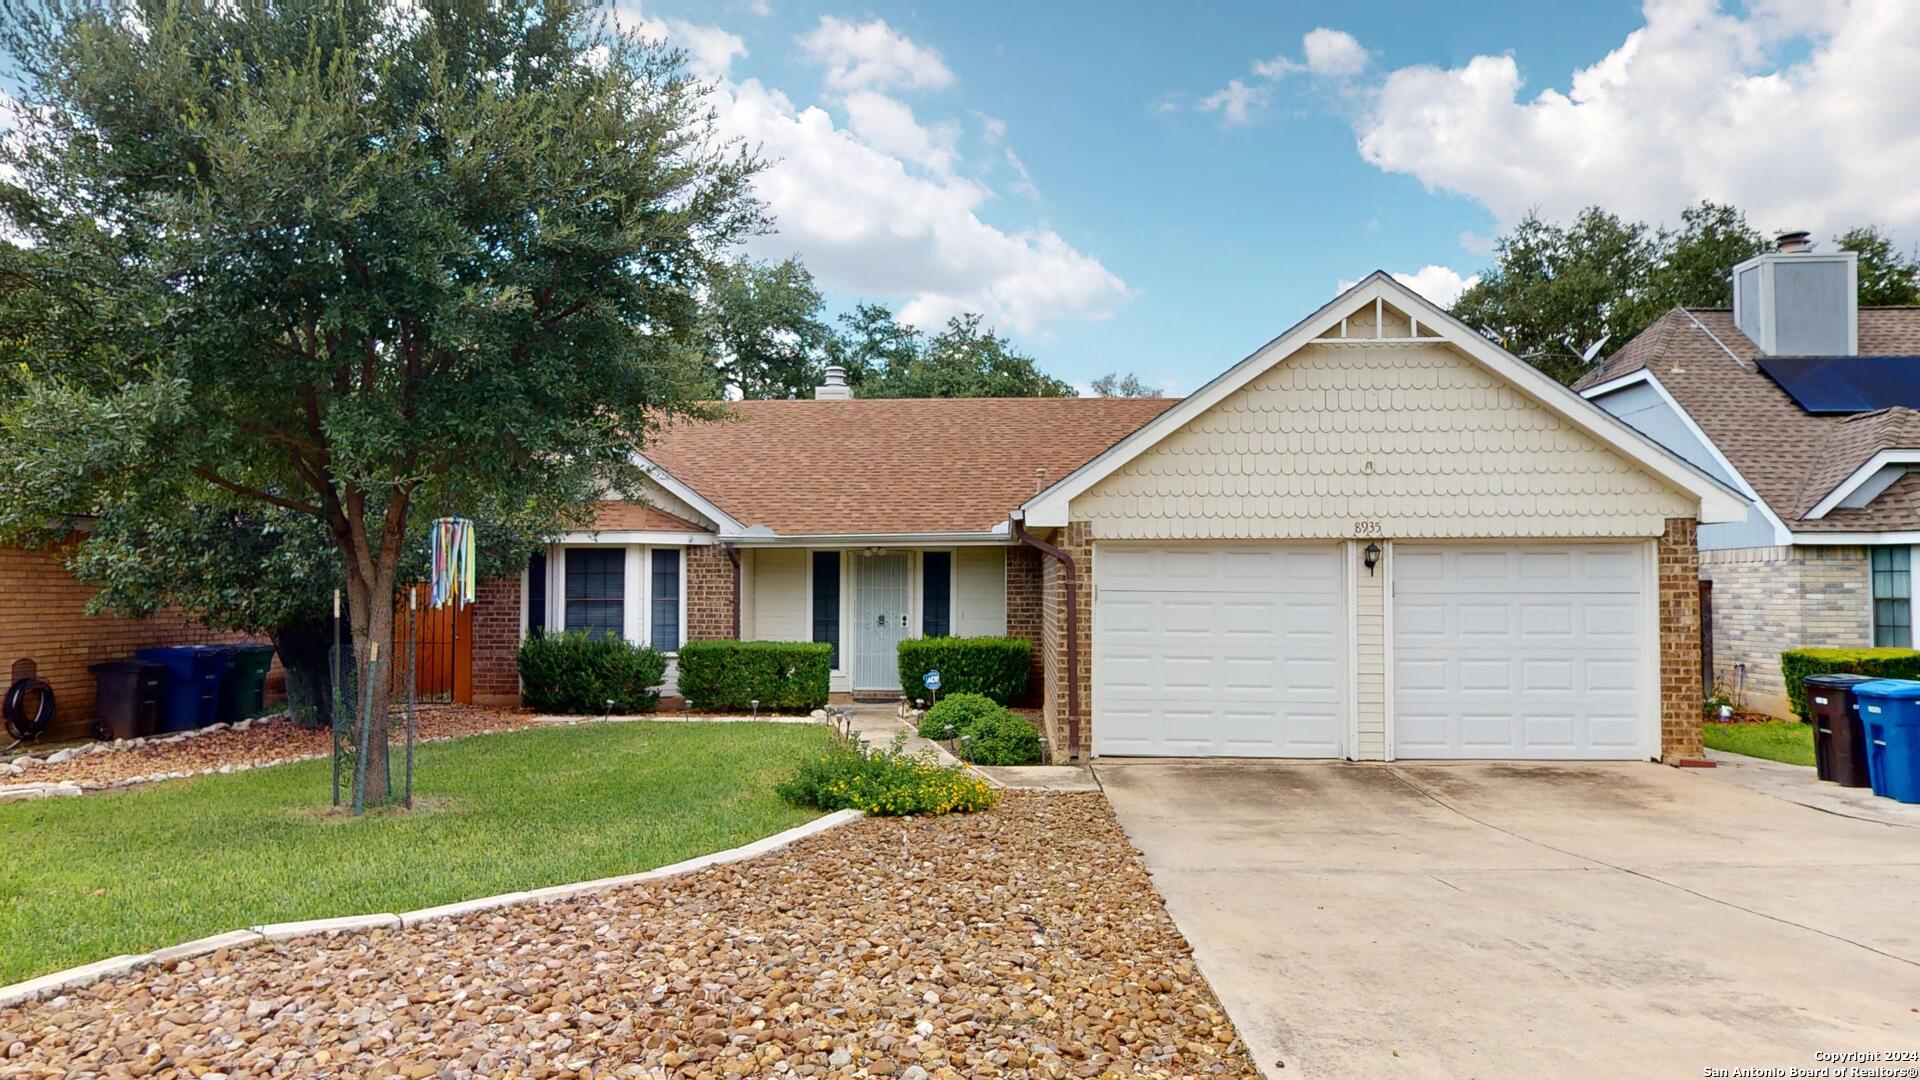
[{"x": 244, "y": 691}]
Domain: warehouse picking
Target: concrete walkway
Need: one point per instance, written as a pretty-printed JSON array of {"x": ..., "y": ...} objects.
[
  {"x": 877, "y": 725},
  {"x": 1494, "y": 920},
  {"x": 1798, "y": 784}
]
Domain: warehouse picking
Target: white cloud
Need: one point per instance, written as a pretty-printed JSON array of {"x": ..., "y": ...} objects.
[
  {"x": 1022, "y": 179},
  {"x": 710, "y": 50},
  {"x": 1236, "y": 102},
  {"x": 872, "y": 223},
  {"x": 872, "y": 55},
  {"x": 1440, "y": 284},
  {"x": 1792, "y": 111},
  {"x": 888, "y": 125},
  {"x": 1332, "y": 55}
]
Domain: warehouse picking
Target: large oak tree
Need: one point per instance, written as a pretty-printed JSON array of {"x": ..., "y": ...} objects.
[{"x": 358, "y": 260}]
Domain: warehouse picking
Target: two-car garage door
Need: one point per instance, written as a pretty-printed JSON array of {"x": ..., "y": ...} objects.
[{"x": 1522, "y": 651}]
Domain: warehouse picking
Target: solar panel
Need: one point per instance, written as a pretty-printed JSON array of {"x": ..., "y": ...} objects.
[{"x": 1846, "y": 384}]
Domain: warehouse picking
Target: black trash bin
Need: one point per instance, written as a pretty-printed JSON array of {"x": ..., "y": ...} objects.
[
  {"x": 127, "y": 698},
  {"x": 1839, "y": 740}
]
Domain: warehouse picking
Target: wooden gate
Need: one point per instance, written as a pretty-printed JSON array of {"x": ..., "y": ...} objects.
[{"x": 443, "y": 651}]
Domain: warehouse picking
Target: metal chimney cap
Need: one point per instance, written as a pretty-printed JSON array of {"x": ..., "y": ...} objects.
[
  {"x": 1797, "y": 240},
  {"x": 835, "y": 387}
]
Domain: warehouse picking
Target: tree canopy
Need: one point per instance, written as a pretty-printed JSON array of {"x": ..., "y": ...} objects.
[
  {"x": 1114, "y": 384},
  {"x": 1560, "y": 296},
  {"x": 359, "y": 260}
]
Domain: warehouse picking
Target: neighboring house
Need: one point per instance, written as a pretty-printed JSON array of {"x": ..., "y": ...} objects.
[
  {"x": 1822, "y": 556},
  {"x": 49, "y": 635},
  {"x": 1378, "y": 536}
]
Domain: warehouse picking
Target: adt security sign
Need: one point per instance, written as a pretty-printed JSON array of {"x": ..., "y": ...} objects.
[{"x": 931, "y": 680}]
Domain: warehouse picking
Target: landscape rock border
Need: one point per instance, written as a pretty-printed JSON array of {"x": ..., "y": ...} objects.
[{"x": 53, "y": 984}]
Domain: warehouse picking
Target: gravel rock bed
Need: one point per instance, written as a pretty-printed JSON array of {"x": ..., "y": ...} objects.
[
  {"x": 266, "y": 741},
  {"x": 1025, "y": 941}
]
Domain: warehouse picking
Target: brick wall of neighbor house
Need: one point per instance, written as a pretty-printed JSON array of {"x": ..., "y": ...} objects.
[
  {"x": 709, "y": 593},
  {"x": 1023, "y": 609},
  {"x": 1767, "y": 600},
  {"x": 496, "y": 643},
  {"x": 1680, "y": 691},
  {"x": 1077, "y": 541},
  {"x": 47, "y": 624}
]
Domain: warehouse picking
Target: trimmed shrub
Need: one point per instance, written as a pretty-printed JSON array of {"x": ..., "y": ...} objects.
[
  {"x": 784, "y": 676},
  {"x": 580, "y": 673},
  {"x": 959, "y": 712},
  {"x": 885, "y": 782},
  {"x": 1001, "y": 737},
  {"x": 995, "y": 666},
  {"x": 1797, "y": 664}
]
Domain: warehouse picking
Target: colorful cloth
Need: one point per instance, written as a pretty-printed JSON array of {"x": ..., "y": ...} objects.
[{"x": 451, "y": 551}]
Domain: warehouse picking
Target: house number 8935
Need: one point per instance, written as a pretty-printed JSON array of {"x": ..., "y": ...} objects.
[{"x": 1366, "y": 528}]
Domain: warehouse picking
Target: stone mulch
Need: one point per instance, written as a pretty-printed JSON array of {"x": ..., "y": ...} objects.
[
  {"x": 1026, "y": 941},
  {"x": 267, "y": 741}
]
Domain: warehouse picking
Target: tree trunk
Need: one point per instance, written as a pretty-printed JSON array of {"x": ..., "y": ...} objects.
[{"x": 370, "y": 607}]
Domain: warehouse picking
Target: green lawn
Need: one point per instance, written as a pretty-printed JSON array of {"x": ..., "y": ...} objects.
[
  {"x": 1778, "y": 740},
  {"x": 87, "y": 878}
]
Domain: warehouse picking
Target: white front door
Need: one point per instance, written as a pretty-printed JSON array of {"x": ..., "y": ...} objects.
[
  {"x": 882, "y": 616},
  {"x": 1524, "y": 651},
  {"x": 1228, "y": 651}
]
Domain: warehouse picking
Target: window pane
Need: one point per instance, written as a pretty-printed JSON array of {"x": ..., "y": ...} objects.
[
  {"x": 666, "y": 599},
  {"x": 596, "y": 590},
  {"x": 826, "y": 601},
  {"x": 536, "y": 594},
  {"x": 936, "y": 593}
]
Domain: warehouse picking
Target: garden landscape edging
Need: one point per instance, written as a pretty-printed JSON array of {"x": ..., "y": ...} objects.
[{"x": 76, "y": 977}]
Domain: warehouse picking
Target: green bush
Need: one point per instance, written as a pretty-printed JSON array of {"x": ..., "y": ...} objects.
[
  {"x": 885, "y": 782},
  {"x": 581, "y": 673},
  {"x": 1797, "y": 664},
  {"x": 958, "y": 711},
  {"x": 1001, "y": 737},
  {"x": 783, "y": 676},
  {"x": 995, "y": 666}
]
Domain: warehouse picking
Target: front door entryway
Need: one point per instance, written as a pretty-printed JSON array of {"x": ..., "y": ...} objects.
[{"x": 881, "y": 618}]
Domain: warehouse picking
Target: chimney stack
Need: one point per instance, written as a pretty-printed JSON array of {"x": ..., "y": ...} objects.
[
  {"x": 1795, "y": 301},
  {"x": 1792, "y": 243},
  {"x": 835, "y": 387}
]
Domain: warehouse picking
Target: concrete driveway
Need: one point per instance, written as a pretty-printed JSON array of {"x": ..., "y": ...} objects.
[{"x": 1491, "y": 920}]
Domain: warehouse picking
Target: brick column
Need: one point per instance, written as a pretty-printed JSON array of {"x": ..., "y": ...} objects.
[
  {"x": 709, "y": 593},
  {"x": 1681, "y": 693},
  {"x": 1077, "y": 541},
  {"x": 1023, "y": 611},
  {"x": 496, "y": 643}
]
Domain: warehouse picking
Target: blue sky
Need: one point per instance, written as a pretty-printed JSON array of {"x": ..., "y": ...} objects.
[{"x": 1162, "y": 189}]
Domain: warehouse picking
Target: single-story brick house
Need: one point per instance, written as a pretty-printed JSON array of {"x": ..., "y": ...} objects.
[
  {"x": 1378, "y": 536},
  {"x": 1823, "y": 554}
]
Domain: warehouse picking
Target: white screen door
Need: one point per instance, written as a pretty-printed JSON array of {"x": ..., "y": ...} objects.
[{"x": 882, "y": 595}]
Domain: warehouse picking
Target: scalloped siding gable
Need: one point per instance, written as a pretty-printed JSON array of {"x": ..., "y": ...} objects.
[{"x": 1414, "y": 436}]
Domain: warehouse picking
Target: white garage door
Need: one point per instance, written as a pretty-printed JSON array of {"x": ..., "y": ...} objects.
[
  {"x": 1218, "y": 651},
  {"x": 1520, "y": 652}
]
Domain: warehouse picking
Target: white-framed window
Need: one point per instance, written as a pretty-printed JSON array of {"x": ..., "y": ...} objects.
[
  {"x": 635, "y": 591},
  {"x": 1892, "y": 573}
]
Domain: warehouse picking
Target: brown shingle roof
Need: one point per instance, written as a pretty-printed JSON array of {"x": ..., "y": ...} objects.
[
  {"x": 893, "y": 465},
  {"x": 1791, "y": 458},
  {"x": 614, "y": 515}
]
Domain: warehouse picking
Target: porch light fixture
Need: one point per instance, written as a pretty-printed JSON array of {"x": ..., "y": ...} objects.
[{"x": 1372, "y": 557}]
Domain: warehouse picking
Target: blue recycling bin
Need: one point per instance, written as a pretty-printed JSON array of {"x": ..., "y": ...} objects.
[
  {"x": 1890, "y": 713},
  {"x": 191, "y": 698}
]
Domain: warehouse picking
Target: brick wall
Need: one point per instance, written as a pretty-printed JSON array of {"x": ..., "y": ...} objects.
[
  {"x": 709, "y": 593},
  {"x": 46, "y": 623},
  {"x": 496, "y": 642},
  {"x": 1681, "y": 694},
  {"x": 1023, "y": 610},
  {"x": 1077, "y": 541},
  {"x": 1766, "y": 600}
]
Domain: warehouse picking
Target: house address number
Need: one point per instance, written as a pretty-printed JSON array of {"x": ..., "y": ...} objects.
[{"x": 1366, "y": 528}]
